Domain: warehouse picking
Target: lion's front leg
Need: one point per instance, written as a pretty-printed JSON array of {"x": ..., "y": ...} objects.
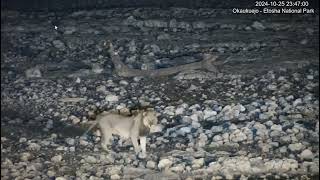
[
  {"x": 135, "y": 144},
  {"x": 143, "y": 144}
]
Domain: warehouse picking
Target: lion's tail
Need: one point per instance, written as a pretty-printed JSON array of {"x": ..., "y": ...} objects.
[{"x": 92, "y": 126}]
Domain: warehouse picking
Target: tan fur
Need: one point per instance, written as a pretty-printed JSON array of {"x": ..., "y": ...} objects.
[{"x": 135, "y": 126}]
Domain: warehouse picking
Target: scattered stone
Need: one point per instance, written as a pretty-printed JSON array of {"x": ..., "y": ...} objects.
[
  {"x": 310, "y": 77},
  {"x": 112, "y": 98},
  {"x": 238, "y": 136},
  {"x": 69, "y": 30},
  {"x": 22, "y": 140},
  {"x": 197, "y": 163},
  {"x": 91, "y": 159},
  {"x": 178, "y": 168},
  {"x": 61, "y": 178},
  {"x": 164, "y": 36},
  {"x": 25, "y": 156},
  {"x": 33, "y": 73},
  {"x": 272, "y": 87},
  {"x": 74, "y": 119},
  {"x": 202, "y": 140},
  {"x": 59, "y": 45},
  {"x": 276, "y": 127},
  {"x": 97, "y": 68},
  {"x": 51, "y": 173},
  {"x": 115, "y": 176},
  {"x": 258, "y": 25},
  {"x": 306, "y": 155},
  {"x": 297, "y": 102},
  {"x": 296, "y": 147},
  {"x": 56, "y": 159},
  {"x": 34, "y": 147},
  {"x": 156, "y": 128},
  {"x": 179, "y": 111},
  {"x": 164, "y": 163},
  {"x": 123, "y": 83},
  {"x": 208, "y": 113},
  {"x": 184, "y": 130},
  {"x": 70, "y": 141},
  {"x": 101, "y": 88},
  {"x": 151, "y": 164}
]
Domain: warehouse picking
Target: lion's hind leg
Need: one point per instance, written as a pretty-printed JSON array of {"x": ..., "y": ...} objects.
[{"x": 106, "y": 140}]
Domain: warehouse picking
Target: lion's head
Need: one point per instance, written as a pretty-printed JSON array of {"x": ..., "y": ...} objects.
[{"x": 149, "y": 117}]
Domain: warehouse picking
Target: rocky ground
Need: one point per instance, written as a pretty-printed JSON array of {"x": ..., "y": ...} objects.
[{"x": 258, "y": 117}]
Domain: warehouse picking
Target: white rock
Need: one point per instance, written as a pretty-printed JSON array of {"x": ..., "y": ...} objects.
[
  {"x": 296, "y": 147},
  {"x": 91, "y": 159},
  {"x": 78, "y": 80},
  {"x": 25, "y": 156},
  {"x": 272, "y": 87},
  {"x": 186, "y": 119},
  {"x": 192, "y": 88},
  {"x": 197, "y": 163},
  {"x": 297, "y": 102},
  {"x": 310, "y": 77},
  {"x": 72, "y": 149},
  {"x": 241, "y": 108},
  {"x": 34, "y": 147},
  {"x": 217, "y": 138},
  {"x": 258, "y": 25},
  {"x": 232, "y": 127},
  {"x": 56, "y": 159},
  {"x": 195, "y": 124},
  {"x": 151, "y": 164},
  {"x": 209, "y": 113},
  {"x": 278, "y": 165},
  {"x": 306, "y": 155},
  {"x": 276, "y": 127},
  {"x": 156, "y": 128},
  {"x": 238, "y": 136},
  {"x": 137, "y": 78},
  {"x": 216, "y": 129},
  {"x": 70, "y": 141},
  {"x": 194, "y": 117},
  {"x": 184, "y": 130},
  {"x": 51, "y": 173},
  {"x": 179, "y": 111},
  {"x": 178, "y": 168},
  {"x": 123, "y": 82},
  {"x": 115, "y": 176},
  {"x": 170, "y": 110},
  {"x": 33, "y": 73},
  {"x": 112, "y": 98},
  {"x": 101, "y": 88},
  {"x": 114, "y": 170},
  {"x": 61, "y": 178},
  {"x": 269, "y": 123},
  {"x": 164, "y": 163},
  {"x": 22, "y": 140},
  {"x": 202, "y": 140}
]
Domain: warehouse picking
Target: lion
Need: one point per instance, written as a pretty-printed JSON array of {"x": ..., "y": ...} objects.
[{"x": 135, "y": 125}]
